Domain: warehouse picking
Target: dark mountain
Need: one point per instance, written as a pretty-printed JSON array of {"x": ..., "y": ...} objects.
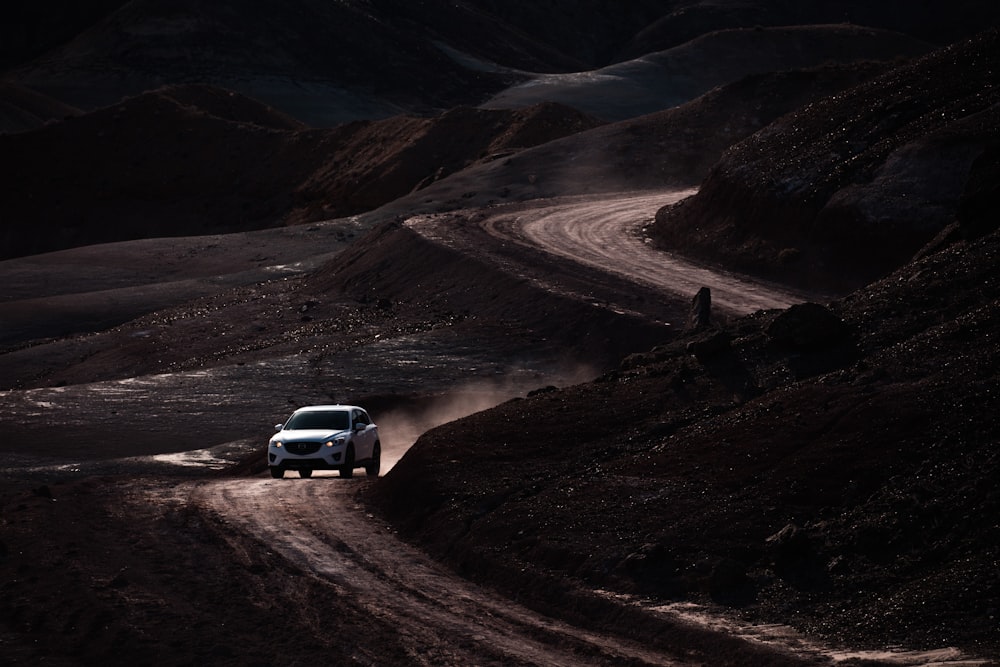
[
  {"x": 194, "y": 159},
  {"x": 321, "y": 61}
]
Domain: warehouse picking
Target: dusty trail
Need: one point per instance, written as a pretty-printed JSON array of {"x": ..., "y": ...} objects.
[
  {"x": 442, "y": 619},
  {"x": 592, "y": 248},
  {"x": 605, "y": 233}
]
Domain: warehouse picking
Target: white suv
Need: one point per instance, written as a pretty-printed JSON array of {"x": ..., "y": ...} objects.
[{"x": 325, "y": 437}]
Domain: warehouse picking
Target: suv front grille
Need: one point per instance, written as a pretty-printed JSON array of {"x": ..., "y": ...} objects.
[{"x": 302, "y": 448}]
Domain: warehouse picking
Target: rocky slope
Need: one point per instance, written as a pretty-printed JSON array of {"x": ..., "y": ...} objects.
[{"x": 863, "y": 181}]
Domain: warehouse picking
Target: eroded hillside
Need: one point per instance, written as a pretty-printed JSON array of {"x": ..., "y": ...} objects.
[{"x": 846, "y": 189}]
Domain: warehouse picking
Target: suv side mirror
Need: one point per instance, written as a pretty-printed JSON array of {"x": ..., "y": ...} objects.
[
  {"x": 360, "y": 426},
  {"x": 278, "y": 427}
]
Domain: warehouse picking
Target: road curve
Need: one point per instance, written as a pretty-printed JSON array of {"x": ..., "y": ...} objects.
[
  {"x": 442, "y": 619},
  {"x": 605, "y": 233}
]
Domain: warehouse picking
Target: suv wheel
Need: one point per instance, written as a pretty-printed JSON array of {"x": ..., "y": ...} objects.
[
  {"x": 277, "y": 473},
  {"x": 372, "y": 467},
  {"x": 347, "y": 470}
]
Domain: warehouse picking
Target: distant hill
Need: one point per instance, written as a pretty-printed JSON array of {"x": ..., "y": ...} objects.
[
  {"x": 195, "y": 159},
  {"x": 671, "y": 148},
  {"x": 937, "y": 22},
  {"x": 657, "y": 81},
  {"x": 189, "y": 157},
  {"x": 325, "y": 62},
  {"x": 330, "y": 62}
]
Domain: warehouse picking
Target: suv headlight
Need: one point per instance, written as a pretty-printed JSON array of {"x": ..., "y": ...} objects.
[
  {"x": 276, "y": 443},
  {"x": 335, "y": 442}
]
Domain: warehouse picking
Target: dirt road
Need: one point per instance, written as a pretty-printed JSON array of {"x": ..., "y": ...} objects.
[
  {"x": 441, "y": 619},
  {"x": 602, "y": 237},
  {"x": 606, "y": 234}
]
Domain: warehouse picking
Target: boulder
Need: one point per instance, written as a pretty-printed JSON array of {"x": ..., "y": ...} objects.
[
  {"x": 701, "y": 309},
  {"x": 807, "y": 326}
]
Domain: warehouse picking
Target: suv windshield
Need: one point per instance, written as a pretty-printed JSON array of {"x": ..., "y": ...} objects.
[{"x": 333, "y": 421}]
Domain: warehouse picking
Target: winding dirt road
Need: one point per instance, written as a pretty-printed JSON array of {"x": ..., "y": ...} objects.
[
  {"x": 603, "y": 236},
  {"x": 606, "y": 234},
  {"x": 442, "y": 619}
]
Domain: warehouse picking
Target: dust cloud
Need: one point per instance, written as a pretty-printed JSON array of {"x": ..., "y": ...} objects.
[{"x": 401, "y": 426}]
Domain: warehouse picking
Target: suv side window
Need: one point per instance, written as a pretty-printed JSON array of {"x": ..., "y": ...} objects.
[{"x": 361, "y": 418}]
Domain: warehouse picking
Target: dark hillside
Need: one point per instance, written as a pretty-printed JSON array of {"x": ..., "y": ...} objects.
[
  {"x": 671, "y": 148},
  {"x": 196, "y": 159},
  {"x": 589, "y": 33},
  {"x": 832, "y": 467},
  {"x": 376, "y": 163},
  {"x": 849, "y": 188}
]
